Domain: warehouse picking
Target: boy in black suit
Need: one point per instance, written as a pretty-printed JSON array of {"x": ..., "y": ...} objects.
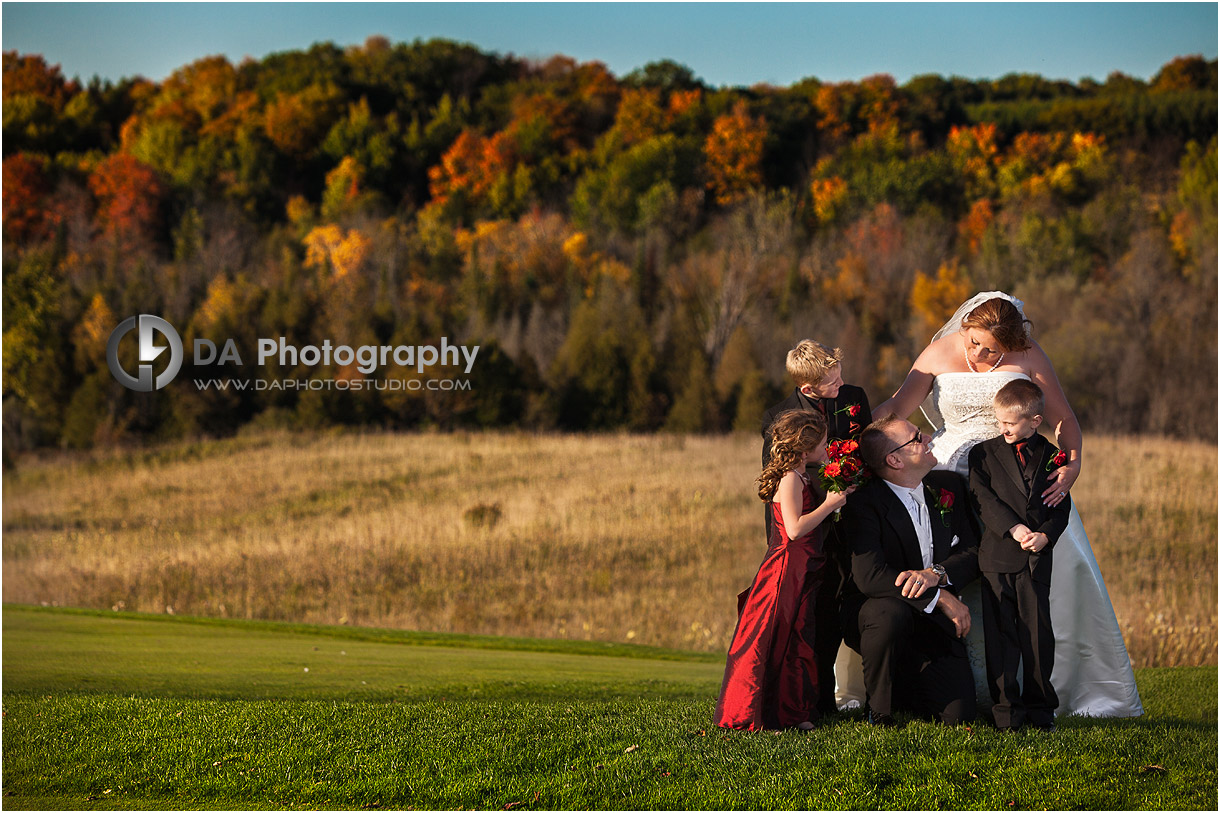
[
  {"x": 818, "y": 375},
  {"x": 1007, "y": 477}
]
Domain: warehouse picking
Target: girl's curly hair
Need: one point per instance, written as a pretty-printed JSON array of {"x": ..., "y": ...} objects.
[{"x": 793, "y": 435}]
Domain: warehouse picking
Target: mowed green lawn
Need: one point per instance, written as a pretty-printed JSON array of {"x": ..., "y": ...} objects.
[{"x": 131, "y": 711}]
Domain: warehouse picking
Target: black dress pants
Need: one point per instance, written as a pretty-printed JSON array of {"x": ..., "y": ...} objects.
[
  {"x": 910, "y": 663},
  {"x": 1017, "y": 627}
]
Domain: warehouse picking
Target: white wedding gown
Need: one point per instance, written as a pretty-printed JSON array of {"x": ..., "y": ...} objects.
[{"x": 1092, "y": 673}]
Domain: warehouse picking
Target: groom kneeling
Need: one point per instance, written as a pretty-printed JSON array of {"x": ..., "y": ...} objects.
[{"x": 914, "y": 545}]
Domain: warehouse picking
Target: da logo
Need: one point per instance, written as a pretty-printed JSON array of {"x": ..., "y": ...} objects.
[{"x": 145, "y": 324}]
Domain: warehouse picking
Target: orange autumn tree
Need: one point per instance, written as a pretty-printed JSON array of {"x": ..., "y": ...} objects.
[
  {"x": 296, "y": 123},
  {"x": 974, "y": 225},
  {"x": 30, "y": 75},
  {"x": 879, "y": 102},
  {"x": 734, "y": 152},
  {"x": 683, "y": 103},
  {"x": 469, "y": 169},
  {"x": 975, "y": 154},
  {"x": 129, "y": 195},
  {"x": 25, "y": 197},
  {"x": 1185, "y": 73}
]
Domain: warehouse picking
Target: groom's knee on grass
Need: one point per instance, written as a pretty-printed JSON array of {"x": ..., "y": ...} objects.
[{"x": 962, "y": 710}]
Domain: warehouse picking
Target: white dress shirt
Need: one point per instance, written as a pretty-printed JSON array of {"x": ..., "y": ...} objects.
[{"x": 912, "y": 499}]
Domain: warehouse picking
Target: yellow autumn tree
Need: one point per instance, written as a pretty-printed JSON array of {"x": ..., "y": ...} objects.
[
  {"x": 828, "y": 196},
  {"x": 538, "y": 259},
  {"x": 639, "y": 115},
  {"x": 933, "y": 299},
  {"x": 217, "y": 306},
  {"x": 343, "y": 187},
  {"x": 329, "y": 247},
  {"x": 91, "y": 334}
]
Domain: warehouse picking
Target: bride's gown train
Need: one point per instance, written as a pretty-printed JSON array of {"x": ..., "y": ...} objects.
[{"x": 1092, "y": 673}]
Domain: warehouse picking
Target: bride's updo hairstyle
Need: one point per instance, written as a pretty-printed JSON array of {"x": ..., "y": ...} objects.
[
  {"x": 1001, "y": 319},
  {"x": 793, "y": 435}
]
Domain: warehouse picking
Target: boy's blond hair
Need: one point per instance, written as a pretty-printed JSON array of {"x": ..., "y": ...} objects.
[
  {"x": 1021, "y": 395},
  {"x": 810, "y": 361}
]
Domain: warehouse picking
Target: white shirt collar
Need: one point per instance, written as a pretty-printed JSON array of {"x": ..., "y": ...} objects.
[{"x": 903, "y": 493}]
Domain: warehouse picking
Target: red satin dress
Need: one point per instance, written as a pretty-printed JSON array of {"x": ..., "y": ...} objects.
[{"x": 771, "y": 677}]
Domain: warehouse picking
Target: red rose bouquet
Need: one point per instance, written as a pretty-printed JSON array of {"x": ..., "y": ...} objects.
[{"x": 843, "y": 468}]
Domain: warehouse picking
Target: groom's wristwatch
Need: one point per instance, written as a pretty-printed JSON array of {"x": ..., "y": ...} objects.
[{"x": 941, "y": 577}]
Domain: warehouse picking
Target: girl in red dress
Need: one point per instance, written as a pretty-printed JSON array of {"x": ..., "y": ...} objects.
[{"x": 771, "y": 678}]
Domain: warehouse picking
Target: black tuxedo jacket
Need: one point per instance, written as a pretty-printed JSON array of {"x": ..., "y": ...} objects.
[
  {"x": 838, "y": 427},
  {"x": 884, "y": 542},
  {"x": 1003, "y": 501}
]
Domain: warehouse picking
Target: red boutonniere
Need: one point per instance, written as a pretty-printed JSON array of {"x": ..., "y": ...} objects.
[
  {"x": 944, "y": 502},
  {"x": 1058, "y": 460},
  {"x": 843, "y": 468},
  {"x": 853, "y": 411}
]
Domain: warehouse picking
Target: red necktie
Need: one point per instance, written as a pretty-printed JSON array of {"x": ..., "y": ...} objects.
[{"x": 1020, "y": 446}]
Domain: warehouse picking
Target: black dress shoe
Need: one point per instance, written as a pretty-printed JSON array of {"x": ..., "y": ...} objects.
[
  {"x": 882, "y": 720},
  {"x": 1047, "y": 728}
]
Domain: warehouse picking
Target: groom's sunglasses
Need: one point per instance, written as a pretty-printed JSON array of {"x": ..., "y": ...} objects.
[{"x": 917, "y": 439}]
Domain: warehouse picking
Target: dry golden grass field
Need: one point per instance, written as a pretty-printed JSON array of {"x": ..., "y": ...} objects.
[{"x": 640, "y": 538}]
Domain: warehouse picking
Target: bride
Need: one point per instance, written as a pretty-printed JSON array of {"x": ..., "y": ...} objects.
[{"x": 985, "y": 345}]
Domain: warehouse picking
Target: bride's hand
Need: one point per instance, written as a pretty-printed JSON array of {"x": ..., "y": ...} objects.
[{"x": 1061, "y": 481}]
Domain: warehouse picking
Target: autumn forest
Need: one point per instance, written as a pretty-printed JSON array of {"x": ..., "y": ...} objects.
[{"x": 633, "y": 252}]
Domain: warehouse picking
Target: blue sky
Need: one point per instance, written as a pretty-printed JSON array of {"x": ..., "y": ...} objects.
[{"x": 723, "y": 43}]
